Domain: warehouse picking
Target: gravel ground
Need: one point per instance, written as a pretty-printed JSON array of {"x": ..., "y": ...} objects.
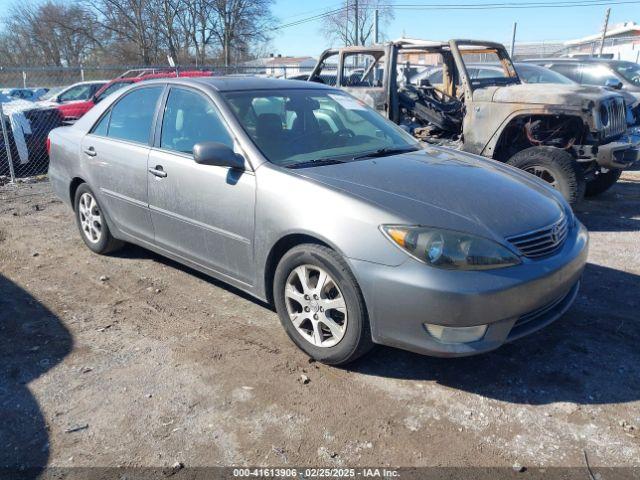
[{"x": 134, "y": 360}]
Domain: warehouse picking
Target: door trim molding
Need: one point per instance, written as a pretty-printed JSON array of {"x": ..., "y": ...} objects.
[{"x": 196, "y": 223}]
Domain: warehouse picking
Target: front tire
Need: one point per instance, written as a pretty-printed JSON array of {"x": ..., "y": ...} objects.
[
  {"x": 555, "y": 166},
  {"x": 602, "y": 182},
  {"x": 320, "y": 305},
  {"x": 92, "y": 223}
]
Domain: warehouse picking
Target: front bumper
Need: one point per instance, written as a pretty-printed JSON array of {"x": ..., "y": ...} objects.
[
  {"x": 513, "y": 302},
  {"x": 618, "y": 155}
]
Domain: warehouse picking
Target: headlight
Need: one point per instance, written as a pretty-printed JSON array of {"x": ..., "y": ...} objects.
[{"x": 450, "y": 249}]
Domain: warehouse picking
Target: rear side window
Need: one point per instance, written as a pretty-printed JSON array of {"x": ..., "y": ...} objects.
[
  {"x": 597, "y": 75},
  {"x": 102, "y": 127},
  {"x": 191, "y": 118},
  {"x": 132, "y": 115}
]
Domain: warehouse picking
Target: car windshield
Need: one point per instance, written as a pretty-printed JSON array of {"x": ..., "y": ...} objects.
[
  {"x": 536, "y": 74},
  {"x": 630, "y": 71},
  {"x": 299, "y": 127}
]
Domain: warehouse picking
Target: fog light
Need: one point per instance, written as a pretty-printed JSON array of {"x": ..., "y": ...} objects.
[{"x": 456, "y": 334}]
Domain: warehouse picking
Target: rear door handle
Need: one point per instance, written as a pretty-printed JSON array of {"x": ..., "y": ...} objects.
[
  {"x": 158, "y": 171},
  {"x": 90, "y": 151}
]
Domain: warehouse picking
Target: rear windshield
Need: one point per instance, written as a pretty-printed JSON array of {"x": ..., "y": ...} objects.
[
  {"x": 112, "y": 88},
  {"x": 536, "y": 74}
]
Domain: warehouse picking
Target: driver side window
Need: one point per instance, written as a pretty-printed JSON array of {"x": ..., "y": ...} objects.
[
  {"x": 362, "y": 70},
  {"x": 191, "y": 118}
]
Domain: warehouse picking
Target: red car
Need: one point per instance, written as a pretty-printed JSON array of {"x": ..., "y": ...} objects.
[{"x": 72, "y": 111}]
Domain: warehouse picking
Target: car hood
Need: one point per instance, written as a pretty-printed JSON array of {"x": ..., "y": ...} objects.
[
  {"x": 549, "y": 94},
  {"x": 447, "y": 189}
]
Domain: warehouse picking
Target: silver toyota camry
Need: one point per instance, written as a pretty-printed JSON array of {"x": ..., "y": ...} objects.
[{"x": 304, "y": 197}]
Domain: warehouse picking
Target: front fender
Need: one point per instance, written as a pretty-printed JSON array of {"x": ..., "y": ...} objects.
[{"x": 485, "y": 122}]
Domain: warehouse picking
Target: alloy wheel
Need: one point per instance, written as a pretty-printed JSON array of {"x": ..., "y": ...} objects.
[
  {"x": 316, "y": 306},
  {"x": 90, "y": 217}
]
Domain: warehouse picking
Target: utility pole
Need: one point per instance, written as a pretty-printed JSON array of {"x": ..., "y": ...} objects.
[
  {"x": 604, "y": 30},
  {"x": 513, "y": 40},
  {"x": 346, "y": 26},
  {"x": 375, "y": 26},
  {"x": 355, "y": 5}
]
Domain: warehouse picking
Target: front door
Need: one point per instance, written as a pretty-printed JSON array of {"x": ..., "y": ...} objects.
[
  {"x": 202, "y": 213},
  {"x": 115, "y": 155},
  {"x": 362, "y": 74}
]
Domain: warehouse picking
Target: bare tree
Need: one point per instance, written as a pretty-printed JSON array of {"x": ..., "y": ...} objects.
[
  {"x": 51, "y": 33},
  {"x": 339, "y": 26},
  {"x": 240, "y": 23},
  {"x": 197, "y": 19},
  {"x": 130, "y": 24},
  {"x": 73, "y": 32}
]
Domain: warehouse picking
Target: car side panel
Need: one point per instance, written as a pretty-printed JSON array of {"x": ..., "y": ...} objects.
[
  {"x": 118, "y": 174},
  {"x": 204, "y": 212},
  {"x": 288, "y": 204},
  {"x": 64, "y": 161}
]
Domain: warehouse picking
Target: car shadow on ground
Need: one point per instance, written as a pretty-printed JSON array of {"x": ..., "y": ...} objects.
[
  {"x": 589, "y": 356},
  {"x": 616, "y": 210},
  {"x": 131, "y": 251},
  {"x": 32, "y": 341}
]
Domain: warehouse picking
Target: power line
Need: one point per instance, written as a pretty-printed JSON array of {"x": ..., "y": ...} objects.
[
  {"x": 466, "y": 6},
  {"x": 308, "y": 12},
  {"x": 496, "y": 6},
  {"x": 308, "y": 19}
]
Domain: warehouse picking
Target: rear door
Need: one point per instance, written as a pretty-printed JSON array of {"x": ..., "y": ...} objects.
[
  {"x": 203, "y": 213},
  {"x": 115, "y": 155}
]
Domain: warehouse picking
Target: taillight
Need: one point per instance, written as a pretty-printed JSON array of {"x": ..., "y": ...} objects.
[{"x": 48, "y": 145}]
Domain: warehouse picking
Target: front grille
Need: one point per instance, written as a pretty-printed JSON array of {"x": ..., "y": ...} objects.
[
  {"x": 617, "y": 117},
  {"x": 542, "y": 242}
]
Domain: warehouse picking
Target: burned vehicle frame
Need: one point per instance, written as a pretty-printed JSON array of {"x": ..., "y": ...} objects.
[{"x": 573, "y": 136}]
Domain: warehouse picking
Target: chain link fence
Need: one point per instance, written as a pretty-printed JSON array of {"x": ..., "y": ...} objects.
[{"x": 34, "y": 101}]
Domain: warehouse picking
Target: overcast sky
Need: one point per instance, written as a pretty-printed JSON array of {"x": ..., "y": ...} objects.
[{"x": 533, "y": 24}]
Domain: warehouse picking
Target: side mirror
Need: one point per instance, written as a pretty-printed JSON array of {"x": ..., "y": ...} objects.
[
  {"x": 613, "y": 83},
  {"x": 218, "y": 154}
]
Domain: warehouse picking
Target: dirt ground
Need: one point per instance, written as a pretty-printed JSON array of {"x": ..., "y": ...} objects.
[{"x": 134, "y": 360}]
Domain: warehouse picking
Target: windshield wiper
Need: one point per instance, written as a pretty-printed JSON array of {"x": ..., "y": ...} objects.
[
  {"x": 385, "y": 152},
  {"x": 316, "y": 163}
]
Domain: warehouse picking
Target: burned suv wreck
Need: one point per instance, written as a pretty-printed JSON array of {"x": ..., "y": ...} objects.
[{"x": 572, "y": 136}]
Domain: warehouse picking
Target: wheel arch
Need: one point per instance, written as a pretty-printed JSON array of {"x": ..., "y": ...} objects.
[
  {"x": 512, "y": 137},
  {"x": 73, "y": 187},
  {"x": 279, "y": 249}
]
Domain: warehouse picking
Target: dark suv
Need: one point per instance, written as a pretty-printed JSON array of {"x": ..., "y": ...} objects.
[{"x": 602, "y": 72}]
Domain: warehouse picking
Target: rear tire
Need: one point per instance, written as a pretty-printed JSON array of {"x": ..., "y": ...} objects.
[
  {"x": 92, "y": 223},
  {"x": 555, "y": 166},
  {"x": 602, "y": 182},
  {"x": 346, "y": 334}
]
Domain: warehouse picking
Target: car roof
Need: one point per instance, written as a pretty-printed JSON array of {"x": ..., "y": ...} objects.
[
  {"x": 228, "y": 84},
  {"x": 575, "y": 60}
]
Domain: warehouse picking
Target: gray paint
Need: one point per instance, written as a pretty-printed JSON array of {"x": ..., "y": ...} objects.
[{"x": 226, "y": 222}]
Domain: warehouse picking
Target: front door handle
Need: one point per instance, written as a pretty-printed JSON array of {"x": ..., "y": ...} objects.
[
  {"x": 158, "y": 171},
  {"x": 90, "y": 151}
]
